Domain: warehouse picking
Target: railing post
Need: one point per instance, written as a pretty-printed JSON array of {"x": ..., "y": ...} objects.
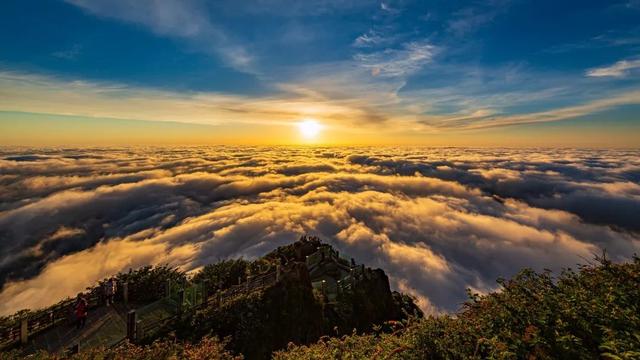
[
  {"x": 249, "y": 277},
  {"x": 132, "y": 322},
  {"x": 167, "y": 288},
  {"x": 52, "y": 318},
  {"x": 125, "y": 293},
  {"x": 180, "y": 302},
  {"x": 278, "y": 273},
  {"x": 24, "y": 330}
]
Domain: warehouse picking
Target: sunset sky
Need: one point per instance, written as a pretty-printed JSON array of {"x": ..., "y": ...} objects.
[
  {"x": 462, "y": 73},
  {"x": 481, "y": 137}
]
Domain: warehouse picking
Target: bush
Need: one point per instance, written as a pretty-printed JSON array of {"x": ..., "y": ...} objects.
[
  {"x": 207, "y": 349},
  {"x": 223, "y": 274},
  {"x": 590, "y": 314},
  {"x": 148, "y": 283}
]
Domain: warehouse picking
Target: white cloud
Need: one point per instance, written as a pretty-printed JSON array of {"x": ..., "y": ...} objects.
[
  {"x": 371, "y": 39},
  {"x": 387, "y": 8},
  {"x": 184, "y": 19},
  {"x": 407, "y": 60},
  {"x": 436, "y": 220},
  {"x": 338, "y": 95},
  {"x": 619, "y": 69},
  {"x": 470, "y": 19}
]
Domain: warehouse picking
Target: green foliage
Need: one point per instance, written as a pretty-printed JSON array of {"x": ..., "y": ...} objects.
[
  {"x": 262, "y": 320},
  {"x": 207, "y": 349},
  {"x": 347, "y": 348},
  {"x": 589, "y": 314},
  {"x": 224, "y": 274},
  {"x": 148, "y": 283}
]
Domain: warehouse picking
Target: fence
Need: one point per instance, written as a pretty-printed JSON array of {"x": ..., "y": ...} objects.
[
  {"x": 33, "y": 323},
  {"x": 148, "y": 321},
  {"x": 143, "y": 322}
]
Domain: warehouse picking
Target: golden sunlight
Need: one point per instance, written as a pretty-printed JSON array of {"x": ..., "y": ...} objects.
[{"x": 309, "y": 128}]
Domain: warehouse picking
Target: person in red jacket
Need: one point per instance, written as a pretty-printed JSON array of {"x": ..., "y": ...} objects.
[{"x": 81, "y": 309}]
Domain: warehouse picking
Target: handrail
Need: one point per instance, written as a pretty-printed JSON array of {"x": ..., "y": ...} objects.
[
  {"x": 248, "y": 286},
  {"x": 44, "y": 319},
  {"x": 62, "y": 311}
]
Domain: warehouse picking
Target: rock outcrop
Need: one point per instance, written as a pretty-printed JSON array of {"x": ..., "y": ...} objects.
[{"x": 299, "y": 307}]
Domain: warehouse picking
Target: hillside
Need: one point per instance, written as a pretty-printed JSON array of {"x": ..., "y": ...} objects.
[
  {"x": 589, "y": 313},
  {"x": 295, "y": 294}
]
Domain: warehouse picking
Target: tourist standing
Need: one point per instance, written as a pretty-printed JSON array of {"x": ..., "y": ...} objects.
[
  {"x": 81, "y": 309},
  {"x": 110, "y": 290}
]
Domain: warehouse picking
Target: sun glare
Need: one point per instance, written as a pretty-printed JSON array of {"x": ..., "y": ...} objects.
[{"x": 309, "y": 128}]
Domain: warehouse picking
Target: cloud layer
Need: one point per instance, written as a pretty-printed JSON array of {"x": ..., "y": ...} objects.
[{"x": 437, "y": 220}]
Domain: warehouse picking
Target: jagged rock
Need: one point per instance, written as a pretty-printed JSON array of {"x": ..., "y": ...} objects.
[
  {"x": 263, "y": 321},
  {"x": 291, "y": 310}
]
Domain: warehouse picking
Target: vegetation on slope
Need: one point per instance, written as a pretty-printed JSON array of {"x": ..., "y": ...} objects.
[
  {"x": 206, "y": 349},
  {"x": 589, "y": 313}
]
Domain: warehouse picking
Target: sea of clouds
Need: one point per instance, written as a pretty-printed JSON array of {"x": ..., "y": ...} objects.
[{"x": 437, "y": 221}]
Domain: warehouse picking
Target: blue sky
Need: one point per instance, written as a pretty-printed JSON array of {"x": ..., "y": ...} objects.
[{"x": 408, "y": 67}]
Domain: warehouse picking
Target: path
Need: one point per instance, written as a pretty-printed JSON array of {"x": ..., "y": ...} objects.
[{"x": 105, "y": 326}]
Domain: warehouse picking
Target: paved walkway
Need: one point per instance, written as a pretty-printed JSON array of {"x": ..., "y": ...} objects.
[{"x": 105, "y": 326}]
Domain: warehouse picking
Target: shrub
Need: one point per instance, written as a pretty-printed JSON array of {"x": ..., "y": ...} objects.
[
  {"x": 589, "y": 314},
  {"x": 223, "y": 274},
  {"x": 207, "y": 349},
  {"x": 148, "y": 283}
]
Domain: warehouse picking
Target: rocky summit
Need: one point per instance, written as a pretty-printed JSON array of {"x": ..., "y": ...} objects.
[{"x": 295, "y": 294}]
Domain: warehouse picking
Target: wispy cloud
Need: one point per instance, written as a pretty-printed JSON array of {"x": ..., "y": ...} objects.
[
  {"x": 45, "y": 94},
  {"x": 563, "y": 113},
  {"x": 68, "y": 54},
  {"x": 408, "y": 59},
  {"x": 183, "y": 19},
  {"x": 339, "y": 96},
  {"x": 386, "y": 7},
  {"x": 470, "y": 18},
  {"x": 633, "y": 4},
  {"x": 372, "y": 38},
  {"x": 619, "y": 69}
]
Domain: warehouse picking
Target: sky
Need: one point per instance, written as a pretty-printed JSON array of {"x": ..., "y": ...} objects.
[
  {"x": 436, "y": 73},
  {"x": 447, "y": 142}
]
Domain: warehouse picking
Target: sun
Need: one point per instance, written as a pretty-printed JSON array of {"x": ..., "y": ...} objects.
[{"x": 309, "y": 128}]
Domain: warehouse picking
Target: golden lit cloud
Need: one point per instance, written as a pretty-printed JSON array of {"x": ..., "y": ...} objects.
[
  {"x": 437, "y": 220},
  {"x": 346, "y": 118}
]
